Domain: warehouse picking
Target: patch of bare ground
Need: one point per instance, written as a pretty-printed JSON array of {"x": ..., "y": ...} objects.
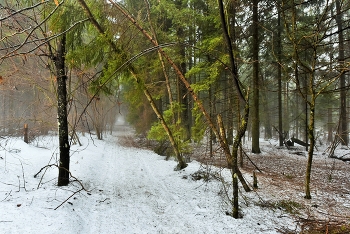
[
  {"x": 281, "y": 180},
  {"x": 281, "y": 174}
]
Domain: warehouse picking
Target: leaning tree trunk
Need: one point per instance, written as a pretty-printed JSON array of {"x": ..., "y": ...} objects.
[
  {"x": 190, "y": 90},
  {"x": 59, "y": 61},
  {"x": 181, "y": 162}
]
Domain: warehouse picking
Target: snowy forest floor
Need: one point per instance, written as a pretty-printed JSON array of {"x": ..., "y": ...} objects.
[
  {"x": 281, "y": 176},
  {"x": 119, "y": 187}
]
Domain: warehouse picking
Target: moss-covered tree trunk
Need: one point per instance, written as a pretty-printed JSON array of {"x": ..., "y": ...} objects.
[{"x": 181, "y": 162}]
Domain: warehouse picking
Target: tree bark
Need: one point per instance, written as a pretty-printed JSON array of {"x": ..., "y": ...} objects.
[
  {"x": 233, "y": 159},
  {"x": 180, "y": 159},
  {"x": 279, "y": 78},
  {"x": 343, "y": 128},
  {"x": 311, "y": 149},
  {"x": 25, "y": 134},
  {"x": 64, "y": 147},
  {"x": 330, "y": 125},
  {"x": 255, "y": 105},
  {"x": 183, "y": 98}
]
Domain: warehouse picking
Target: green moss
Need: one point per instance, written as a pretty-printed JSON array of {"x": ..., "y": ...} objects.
[
  {"x": 289, "y": 176},
  {"x": 289, "y": 206}
]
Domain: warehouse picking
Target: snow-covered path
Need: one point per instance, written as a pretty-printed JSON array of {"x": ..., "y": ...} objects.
[
  {"x": 141, "y": 193},
  {"x": 130, "y": 191}
]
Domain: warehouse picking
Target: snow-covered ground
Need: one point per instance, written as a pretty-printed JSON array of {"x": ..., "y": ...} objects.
[{"x": 128, "y": 190}]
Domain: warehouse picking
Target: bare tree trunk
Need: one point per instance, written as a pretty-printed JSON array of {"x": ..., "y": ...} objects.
[
  {"x": 255, "y": 105},
  {"x": 183, "y": 98},
  {"x": 306, "y": 126},
  {"x": 266, "y": 113},
  {"x": 25, "y": 134},
  {"x": 59, "y": 61},
  {"x": 297, "y": 97},
  {"x": 330, "y": 125},
  {"x": 230, "y": 111},
  {"x": 311, "y": 149},
  {"x": 279, "y": 77},
  {"x": 343, "y": 130},
  {"x": 233, "y": 159},
  {"x": 236, "y": 145}
]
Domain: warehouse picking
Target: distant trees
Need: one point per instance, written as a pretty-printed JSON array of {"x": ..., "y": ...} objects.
[
  {"x": 343, "y": 116},
  {"x": 293, "y": 36},
  {"x": 308, "y": 33},
  {"x": 52, "y": 33}
]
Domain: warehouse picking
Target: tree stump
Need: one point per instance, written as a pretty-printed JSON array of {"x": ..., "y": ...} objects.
[
  {"x": 25, "y": 134},
  {"x": 255, "y": 181}
]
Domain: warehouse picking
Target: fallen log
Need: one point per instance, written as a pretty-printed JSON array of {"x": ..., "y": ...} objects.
[
  {"x": 299, "y": 142},
  {"x": 341, "y": 158}
]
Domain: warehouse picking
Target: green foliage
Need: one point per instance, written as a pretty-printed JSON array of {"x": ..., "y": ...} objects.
[
  {"x": 109, "y": 80},
  {"x": 140, "y": 114},
  {"x": 289, "y": 206},
  {"x": 179, "y": 133},
  {"x": 209, "y": 73},
  {"x": 289, "y": 176},
  {"x": 199, "y": 127}
]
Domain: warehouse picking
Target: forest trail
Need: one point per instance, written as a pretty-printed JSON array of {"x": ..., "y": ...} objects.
[
  {"x": 137, "y": 191},
  {"x": 128, "y": 190}
]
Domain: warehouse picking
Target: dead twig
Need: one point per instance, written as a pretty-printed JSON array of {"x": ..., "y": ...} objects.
[
  {"x": 7, "y": 196},
  {"x": 252, "y": 162},
  {"x": 24, "y": 180},
  {"x": 49, "y": 165},
  {"x": 75, "y": 179},
  {"x": 69, "y": 198}
]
